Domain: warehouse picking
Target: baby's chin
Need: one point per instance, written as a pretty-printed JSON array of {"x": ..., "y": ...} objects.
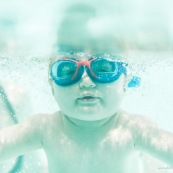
[
  {"x": 89, "y": 117},
  {"x": 88, "y": 122}
]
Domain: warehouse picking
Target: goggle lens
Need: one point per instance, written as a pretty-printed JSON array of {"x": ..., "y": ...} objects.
[
  {"x": 64, "y": 69},
  {"x": 104, "y": 68}
]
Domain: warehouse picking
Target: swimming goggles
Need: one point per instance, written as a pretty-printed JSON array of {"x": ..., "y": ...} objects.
[{"x": 67, "y": 71}]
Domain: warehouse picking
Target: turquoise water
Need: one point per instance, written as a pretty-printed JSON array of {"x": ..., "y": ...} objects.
[
  {"x": 154, "y": 97},
  {"x": 29, "y": 74}
]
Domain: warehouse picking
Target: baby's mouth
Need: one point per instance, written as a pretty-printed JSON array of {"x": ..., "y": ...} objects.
[{"x": 88, "y": 100}]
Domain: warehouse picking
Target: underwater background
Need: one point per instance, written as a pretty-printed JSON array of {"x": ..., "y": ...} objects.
[{"x": 28, "y": 32}]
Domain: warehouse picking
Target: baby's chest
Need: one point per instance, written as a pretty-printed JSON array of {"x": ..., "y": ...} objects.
[
  {"x": 86, "y": 161},
  {"x": 107, "y": 155}
]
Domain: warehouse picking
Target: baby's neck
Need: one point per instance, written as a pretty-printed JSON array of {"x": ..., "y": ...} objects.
[{"x": 90, "y": 124}]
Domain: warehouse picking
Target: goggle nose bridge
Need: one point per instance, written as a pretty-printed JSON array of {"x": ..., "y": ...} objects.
[
  {"x": 84, "y": 62},
  {"x": 87, "y": 69}
]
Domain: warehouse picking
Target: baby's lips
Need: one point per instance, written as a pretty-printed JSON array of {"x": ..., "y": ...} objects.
[{"x": 89, "y": 94}]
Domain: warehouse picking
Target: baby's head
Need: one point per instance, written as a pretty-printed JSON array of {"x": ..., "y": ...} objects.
[
  {"x": 91, "y": 93},
  {"x": 87, "y": 76}
]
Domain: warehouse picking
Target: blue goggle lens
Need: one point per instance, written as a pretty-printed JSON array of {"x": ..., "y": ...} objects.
[
  {"x": 104, "y": 68},
  {"x": 63, "y": 69}
]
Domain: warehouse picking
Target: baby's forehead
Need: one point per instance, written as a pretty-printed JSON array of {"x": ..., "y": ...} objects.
[{"x": 85, "y": 55}]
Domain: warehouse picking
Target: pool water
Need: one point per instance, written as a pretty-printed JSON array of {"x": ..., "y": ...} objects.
[{"x": 30, "y": 75}]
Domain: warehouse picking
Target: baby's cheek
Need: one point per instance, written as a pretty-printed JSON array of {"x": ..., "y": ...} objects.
[
  {"x": 114, "y": 92},
  {"x": 113, "y": 99}
]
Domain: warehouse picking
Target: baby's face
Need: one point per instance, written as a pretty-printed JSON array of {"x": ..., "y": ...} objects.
[{"x": 89, "y": 100}]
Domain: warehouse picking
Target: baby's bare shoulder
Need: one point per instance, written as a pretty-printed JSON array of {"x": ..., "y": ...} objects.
[
  {"x": 45, "y": 119},
  {"x": 45, "y": 125},
  {"x": 136, "y": 121},
  {"x": 137, "y": 126},
  {"x": 140, "y": 127}
]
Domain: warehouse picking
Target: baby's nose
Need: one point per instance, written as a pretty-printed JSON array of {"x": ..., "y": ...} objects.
[{"x": 86, "y": 81}]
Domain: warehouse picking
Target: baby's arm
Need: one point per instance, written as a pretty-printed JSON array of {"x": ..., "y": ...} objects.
[
  {"x": 155, "y": 141},
  {"x": 18, "y": 139}
]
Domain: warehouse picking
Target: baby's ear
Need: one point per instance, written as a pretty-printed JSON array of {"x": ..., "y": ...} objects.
[
  {"x": 51, "y": 85},
  {"x": 126, "y": 81}
]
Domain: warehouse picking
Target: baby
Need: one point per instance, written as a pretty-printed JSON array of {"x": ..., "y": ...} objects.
[{"x": 90, "y": 133}]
